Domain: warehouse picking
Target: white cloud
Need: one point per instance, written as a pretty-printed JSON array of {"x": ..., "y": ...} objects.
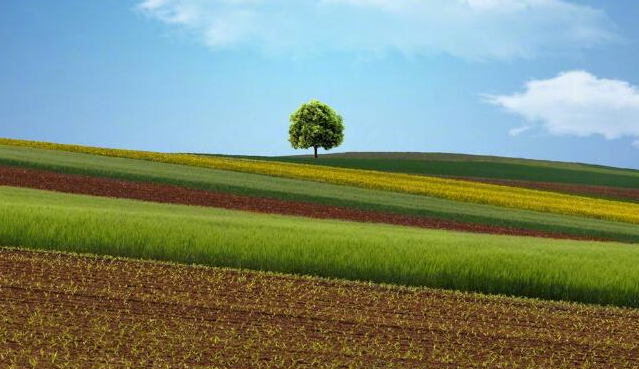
[
  {"x": 472, "y": 29},
  {"x": 579, "y": 104},
  {"x": 519, "y": 130}
]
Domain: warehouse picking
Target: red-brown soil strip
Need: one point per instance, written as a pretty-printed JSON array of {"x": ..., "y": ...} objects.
[
  {"x": 95, "y": 186},
  {"x": 615, "y": 193},
  {"x": 65, "y": 311}
]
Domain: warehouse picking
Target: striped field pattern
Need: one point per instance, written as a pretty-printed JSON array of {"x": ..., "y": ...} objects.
[{"x": 451, "y": 189}]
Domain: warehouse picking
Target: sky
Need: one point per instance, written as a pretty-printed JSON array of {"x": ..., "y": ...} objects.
[{"x": 542, "y": 79}]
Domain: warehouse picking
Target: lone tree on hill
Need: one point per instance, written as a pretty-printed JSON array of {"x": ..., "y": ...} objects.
[{"x": 315, "y": 125}]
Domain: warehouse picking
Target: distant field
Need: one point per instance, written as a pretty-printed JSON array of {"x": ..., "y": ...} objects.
[
  {"x": 77, "y": 312},
  {"x": 463, "y": 191},
  {"x": 519, "y": 266},
  {"x": 313, "y": 192},
  {"x": 574, "y": 174},
  {"x": 426, "y": 156}
]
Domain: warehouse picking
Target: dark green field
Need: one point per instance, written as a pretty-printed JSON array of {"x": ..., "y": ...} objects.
[{"x": 479, "y": 168}]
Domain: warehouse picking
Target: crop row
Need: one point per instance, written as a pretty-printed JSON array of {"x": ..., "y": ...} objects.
[
  {"x": 65, "y": 311},
  {"x": 518, "y": 266},
  {"x": 457, "y": 190},
  {"x": 96, "y": 186},
  {"x": 478, "y": 169},
  {"x": 289, "y": 189}
]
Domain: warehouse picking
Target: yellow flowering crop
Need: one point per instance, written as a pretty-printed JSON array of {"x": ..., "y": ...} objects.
[{"x": 458, "y": 190}]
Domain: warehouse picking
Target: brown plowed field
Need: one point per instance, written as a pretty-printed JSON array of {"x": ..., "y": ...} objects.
[
  {"x": 78, "y": 184},
  {"x": 575, "y": 189},
  {"x": 64, "y": 311}
]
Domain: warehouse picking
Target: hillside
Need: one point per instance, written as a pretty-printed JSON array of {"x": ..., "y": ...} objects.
[
  {"x": 448, "y": 157},
  {"x": 362, "y": 220},
  {"x": 478, "y": 216},
  {"x": 476, "y": 167}
]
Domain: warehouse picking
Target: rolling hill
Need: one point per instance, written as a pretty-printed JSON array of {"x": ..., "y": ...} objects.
[{"x": 383, "y": 221}]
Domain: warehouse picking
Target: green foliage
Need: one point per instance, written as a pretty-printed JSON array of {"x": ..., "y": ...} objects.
[
  {"x": 593, "y": 272},
  {"x": 316, "y": 124}
]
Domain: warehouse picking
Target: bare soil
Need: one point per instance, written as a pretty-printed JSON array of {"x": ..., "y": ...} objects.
[
  {"x": 65, "y": 311},
  {"x": 96, "y": 186}
]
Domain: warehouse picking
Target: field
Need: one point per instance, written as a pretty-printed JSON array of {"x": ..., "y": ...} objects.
[
  {"x": 479, "y": 167},
  {"x": 105, "y": 187},
  {"x": 394, "y": 244},
  {"x": 457, "y": 190},
  {"x": 262, "y": 186},
  {"x": 450, "y": 157},
  {"x": 586, "y": 180},
  {"x": 64, "y": 311},
  {"x": 552, "y": 269}
]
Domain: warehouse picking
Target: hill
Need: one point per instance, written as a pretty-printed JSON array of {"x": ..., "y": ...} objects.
[
  {"x": 475, "y": 167},
  {"x": 441, "y": 156},
  {"x": 386, "y": 227}
]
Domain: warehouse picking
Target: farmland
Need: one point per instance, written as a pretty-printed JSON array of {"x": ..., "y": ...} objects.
[
  {"x": 552, "y": 269},
  {"x": 479, "y": 167},
  {"x": 465, "y": 191},
  {"x": 105, "y": 187},
  {"x": 65, "y": 311},
  {"x": 570, "y": 178},
  {"x": 370, "y": 260},
  {"x": 313, "y": 193}
]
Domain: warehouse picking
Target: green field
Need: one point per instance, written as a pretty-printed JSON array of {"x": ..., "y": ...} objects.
[
  {"x": 593, "y": 272},
  {"x": 291, "y": 189},
  {"x": 438, "y": 156},
  {"x": 486, "y": 168}
]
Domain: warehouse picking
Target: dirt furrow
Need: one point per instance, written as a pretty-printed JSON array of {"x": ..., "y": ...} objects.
[{"x": 60, "y": 310}]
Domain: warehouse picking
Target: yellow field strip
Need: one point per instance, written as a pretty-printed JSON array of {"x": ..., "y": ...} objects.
[{"x": 458, "y": 190}]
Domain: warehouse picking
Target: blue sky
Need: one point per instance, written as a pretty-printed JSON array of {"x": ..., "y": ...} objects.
[{"x": 548, "y": 79}]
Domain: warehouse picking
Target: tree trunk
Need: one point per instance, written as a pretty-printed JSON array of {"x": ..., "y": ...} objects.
[{"x": 315, "y": 148}]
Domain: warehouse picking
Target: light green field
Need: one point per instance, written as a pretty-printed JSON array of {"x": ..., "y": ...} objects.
[
  {"x": 291, "y": 189},
  {"x": 604, "y": 273}
]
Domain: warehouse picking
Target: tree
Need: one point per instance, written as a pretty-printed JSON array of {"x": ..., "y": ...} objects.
[{"x": 316, "y": 124}]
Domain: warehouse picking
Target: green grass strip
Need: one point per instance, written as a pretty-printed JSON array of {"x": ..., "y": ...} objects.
[{"x": 603, "y": 273}]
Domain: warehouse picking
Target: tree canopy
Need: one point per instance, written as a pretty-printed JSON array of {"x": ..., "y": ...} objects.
[{"x": 315, "y": 125}]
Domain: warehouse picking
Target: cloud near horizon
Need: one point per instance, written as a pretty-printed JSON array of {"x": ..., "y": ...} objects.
[
  {"x": 577, "y": 103},
  {"x": 470, "y": 29}
]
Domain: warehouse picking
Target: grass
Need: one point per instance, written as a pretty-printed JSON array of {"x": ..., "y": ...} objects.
[
  {"x": 293, "y": 189},
  {"x": 592, "y": 272},
  {"x": 479, "y": 169}
]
